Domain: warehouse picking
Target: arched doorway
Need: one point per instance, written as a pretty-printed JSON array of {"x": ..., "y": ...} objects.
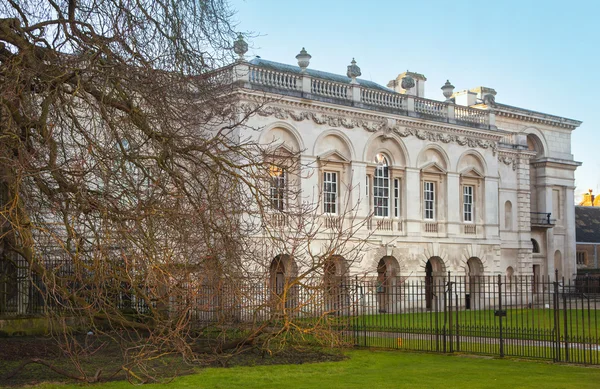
[
  {"x": 282, "y": 269},
  {"x": 335, "y": 285},
  {"x": 474, "y": 283},
  {"x": 434, "y": 276},
  {"x": 388, "y": 271}
]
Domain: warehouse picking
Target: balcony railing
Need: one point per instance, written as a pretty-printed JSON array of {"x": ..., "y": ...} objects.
[
  {"x": 542, "y": 219},
  {"x": 313, "y": 88},
  {"x": 470, "y": 229}
]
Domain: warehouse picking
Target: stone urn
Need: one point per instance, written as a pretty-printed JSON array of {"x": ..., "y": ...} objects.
[
  {"x": 240, "y": 47},
  {"x": 353, "y": 71},
  {"x": 303, "y": 59},
  {"x": 447, "y": 90}
]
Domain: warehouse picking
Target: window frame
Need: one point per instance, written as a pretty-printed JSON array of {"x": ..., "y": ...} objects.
[
  {"x": 335, "y": 204},
  {"x": 433, "y": 192},
  {"x": 385, "y": 187},
  {"x": 396, "y": 198},
  {"x": 280, "y": 188},
  {"x": 584, "y": 255},
  {"x": 471, "y": 204},
  {"x": 473, "y": 178}
]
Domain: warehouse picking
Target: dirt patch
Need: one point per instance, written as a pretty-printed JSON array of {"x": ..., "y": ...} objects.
[
  {"x": 18, "y": 349},
  {"x": 14, "y": 351}
]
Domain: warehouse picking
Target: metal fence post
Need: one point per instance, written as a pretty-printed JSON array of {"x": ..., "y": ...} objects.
[
  {"x": 450, "y": 313},
  {"x": 556, "y": 307},
  {"x": 565, "y": 313},
  {"x": 501, "y": 314}
]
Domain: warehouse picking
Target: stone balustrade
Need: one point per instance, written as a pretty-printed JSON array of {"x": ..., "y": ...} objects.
[
  {"x": 279, "y": 80},
  {"x": 384, "y": 224},
  {"x": 470, "y": 115},
  {"x": 303, "y": 85},
  {"x": 470, "y": 229},
  {"x": 383, "y": 99},
  {"x": 330, "y": 89},
  {"x": 333, "y": 222},
  {"x": 431, "y": 107}
]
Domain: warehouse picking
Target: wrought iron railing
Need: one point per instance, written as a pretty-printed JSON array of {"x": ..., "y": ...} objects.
[
  {"x": 521, "y": 316},
  {"x": 542, "y": 218}
]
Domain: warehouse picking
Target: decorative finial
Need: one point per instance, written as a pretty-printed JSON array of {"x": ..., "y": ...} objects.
[
  {"x": 353, "y": 71},
  {"x": 240, "y": 47},
  {"x": 303, "y": 59},
  {"x": 447, "y": 90}
]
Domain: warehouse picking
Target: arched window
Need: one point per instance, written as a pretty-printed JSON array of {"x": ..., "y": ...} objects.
[
  {"x": 510, "y": 272},
  {"x": 508, "y": 216},
  {"x": 535, "y": 246},
  {"x": 381, "y": 187}
]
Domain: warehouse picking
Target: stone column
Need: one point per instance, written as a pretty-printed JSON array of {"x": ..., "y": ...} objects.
[
  {"x": 524, "y": 217},
  {"x": 413, "y": 202},
  {"x": 569, "y": 256},
  {"x": 359, "y": 186},
  {"x": 454, "y": 203},
  {"x": 309, "y": 180},
  {"x": 491, "y": 211}
]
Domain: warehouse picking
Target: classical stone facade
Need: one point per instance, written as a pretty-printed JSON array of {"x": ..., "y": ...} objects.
[{"x": 468, "y": 185}]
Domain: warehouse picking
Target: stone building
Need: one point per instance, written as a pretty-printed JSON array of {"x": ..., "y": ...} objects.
[{"x": 466, "y": 185}]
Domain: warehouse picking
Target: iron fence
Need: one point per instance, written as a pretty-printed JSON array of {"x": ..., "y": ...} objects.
[
  {"x": 517, "y": 316},
  {"x": 525, "y": 316}
]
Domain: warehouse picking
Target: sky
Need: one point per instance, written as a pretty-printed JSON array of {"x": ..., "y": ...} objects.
[{"x": 539, "y": 55}]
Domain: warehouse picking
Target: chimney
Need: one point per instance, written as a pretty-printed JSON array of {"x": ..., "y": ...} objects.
[
  {"x": 415, "y": 88},
  {"x": 474, "y": 96},
  {"x": 465, "y": 97}
]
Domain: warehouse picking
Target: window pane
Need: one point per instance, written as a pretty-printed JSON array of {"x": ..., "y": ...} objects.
[
  {"x": 468, "y": 203},
  {"x": 381, "y": 187},
  {"x": 429, "y": 200},
  {"x": 329, "y": 192},
  {"x": 278, "y": 187}
]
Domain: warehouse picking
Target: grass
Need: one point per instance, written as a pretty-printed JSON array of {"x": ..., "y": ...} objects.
[
  {"x": 589, "y": 355},
  {"x": 386, "y": 369},
  {"x": 518, "y": 323}
]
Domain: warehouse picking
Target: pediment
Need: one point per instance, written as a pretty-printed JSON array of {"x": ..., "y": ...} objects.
[
  {"x": 284, "y": 151},
  {"x": 281, "y": 152},
  {"x": 333, "y": 156},
  {"x": 433, "y": 167},
  {"x": 471, "y": 172}
]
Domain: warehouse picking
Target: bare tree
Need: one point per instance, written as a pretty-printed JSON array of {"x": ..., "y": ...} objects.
[{"x": 131, "y": 192}]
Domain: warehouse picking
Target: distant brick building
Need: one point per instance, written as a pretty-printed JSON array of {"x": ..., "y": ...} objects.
[{"x": 588, "y": 239}]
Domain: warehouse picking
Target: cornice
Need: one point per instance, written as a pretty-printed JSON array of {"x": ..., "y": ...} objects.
[
  {"x": 556, "y": 162},
  {"x": 535, "y": 117},
  {"x": 343, "y": 113},
  {"x": 349, "y": 119},
  {"x": 512, "y": 157}
]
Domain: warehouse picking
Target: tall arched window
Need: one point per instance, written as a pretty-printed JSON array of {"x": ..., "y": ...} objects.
[
  {"x": 381, "y": 187},
  {"x": 508, "y": 216},
  {"x": 535, "y": 246}
]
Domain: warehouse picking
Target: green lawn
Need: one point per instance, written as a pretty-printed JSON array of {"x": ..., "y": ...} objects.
[
  {"x": 518, "y": 323},
  {"x": 388, "y": 369},
  {"x": 588, "y": 355}
]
